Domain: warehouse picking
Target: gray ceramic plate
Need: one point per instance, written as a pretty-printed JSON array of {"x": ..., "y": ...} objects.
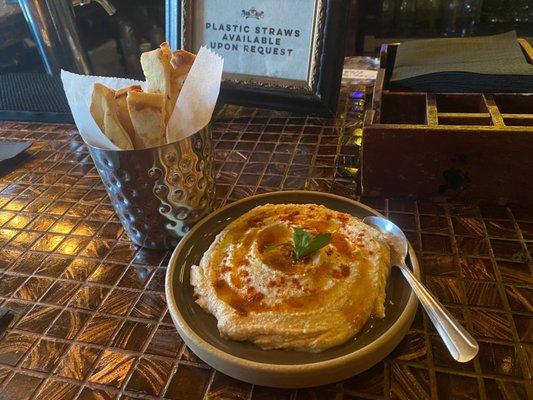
[{"x": 280, "y": 368}]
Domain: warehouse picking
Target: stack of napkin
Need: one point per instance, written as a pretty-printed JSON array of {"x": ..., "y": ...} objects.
[{"x": 476, "y": 64}]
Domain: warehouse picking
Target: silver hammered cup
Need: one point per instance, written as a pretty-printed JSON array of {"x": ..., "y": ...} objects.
[{"x": 160, "y": 193}]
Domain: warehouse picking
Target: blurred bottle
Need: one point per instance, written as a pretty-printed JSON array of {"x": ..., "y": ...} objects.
[
  {"x": 405, "y": 17},
  {"x": 522, "y": 12},
  {"x": 427, "y": 17},
  {"x": 386, "y": 18},
  {"x": 451, "y": 17},
  {"x": 470, "y": 16}
]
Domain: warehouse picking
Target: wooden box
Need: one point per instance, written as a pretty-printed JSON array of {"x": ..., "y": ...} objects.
[{"x": 431, "y": 145}]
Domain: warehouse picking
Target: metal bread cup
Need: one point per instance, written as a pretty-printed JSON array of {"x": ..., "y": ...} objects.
[{"x": 161, "y": 192}]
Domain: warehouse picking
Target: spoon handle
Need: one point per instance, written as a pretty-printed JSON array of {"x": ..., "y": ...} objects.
[{"x": 461, "y": 345}]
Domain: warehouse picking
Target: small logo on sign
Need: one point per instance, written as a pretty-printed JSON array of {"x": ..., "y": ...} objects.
[{"x": 252, "y": 13}]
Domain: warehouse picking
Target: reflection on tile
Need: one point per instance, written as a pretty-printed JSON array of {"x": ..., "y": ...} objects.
[
  {"x": 89, "y": 297},
  {"x": 132, "y": 336},
  {"x": 99, "y": 330},
  {"x": 119, "y": 302},
  {"x": 112, "y": 368},
  {"x": 409, "y": 382},
  {"x": 482, "y": 294},
  {"x": 68, "y": 324},
  {"x": 57, "y": 390},
  {"x": 38, "y": 319},
  {"x": 149, "y": 376},
  {"x": 411, "y": 348},
  {"x": 188, "y": 382},
  {"x": 456, "y": 386},
  {"x": 477, "y": 268},
  {"x": 20, "y": 387},
  {"x": 437, "y": 264},
  {"x": 511, "y": 271},
  {"x": 371, "y": 381},
  {"x": 77, "y": 362},
  {"x": 491, "y": 325},
  {"x": 165, "y": 342},
  {"x": 504, "y": 390},
  {"x": 45, "y": 356},
  {"x": 499, "y": 359},
  {"x": 13, "y": 346},
  {"x": 149, "y": 306}
]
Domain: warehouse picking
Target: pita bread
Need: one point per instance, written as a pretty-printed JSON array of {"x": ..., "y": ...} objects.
[
  {"x": 122, "y": 109},
  {"x": 181, "y": 62},
  {"x": 104, "y": 111},
  {"x": 156, "y": 68},
  {"x": 147, "y": 113}
]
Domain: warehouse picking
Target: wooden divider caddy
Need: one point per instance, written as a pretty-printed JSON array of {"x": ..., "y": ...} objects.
[{"x": 468, "y": 145}]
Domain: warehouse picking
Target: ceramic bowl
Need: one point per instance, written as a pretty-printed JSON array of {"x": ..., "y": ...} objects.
[{"x": 279, "y": 368}]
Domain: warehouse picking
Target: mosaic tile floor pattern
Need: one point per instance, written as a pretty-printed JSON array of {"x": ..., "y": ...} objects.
[{"x": 90, "y": 316}]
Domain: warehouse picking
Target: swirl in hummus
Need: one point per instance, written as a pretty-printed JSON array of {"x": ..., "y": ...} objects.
[{"x": 263, "y": 295}]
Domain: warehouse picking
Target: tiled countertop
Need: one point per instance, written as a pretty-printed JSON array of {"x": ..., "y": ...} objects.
[{"x": 90, "y": 315}]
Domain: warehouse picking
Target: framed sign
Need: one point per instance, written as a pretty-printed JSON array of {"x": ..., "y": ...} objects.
[{"x": 285, "y": 54}]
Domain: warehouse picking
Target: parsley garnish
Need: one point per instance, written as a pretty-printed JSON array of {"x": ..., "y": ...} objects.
[{"x": 303, "y": 243}]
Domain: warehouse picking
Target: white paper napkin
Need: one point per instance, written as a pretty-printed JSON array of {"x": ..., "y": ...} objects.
[{"x": 198, "y": 97}]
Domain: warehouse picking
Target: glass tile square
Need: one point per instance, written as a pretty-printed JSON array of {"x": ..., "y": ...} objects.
[
  {"x": 89, "y": 297},
  {"x": 13, "y": 346},
  {"x": 149, "y": 376},
  {"x": 20, "y": 387},
  {"x": 188, "y": 383},
  {"x": 53, "y": 265},
  {"x": 60, "y": 293},
  {"x": 150, "y": 306},
  {"x": 482, "y": 294},
  {"x": 99, "y": 330},
  {"x": 119, "y": 302},
  {"x": 77, "y": 362},
  {"x": 55, "y": 389},
  {"x": 112, "y": 369},
  {"x": 371, "y": 381},
  {"x": 45, "y": 356},
  {"x": 499, "y": 359},
  {"x": 68, "y": 324},
  {"x": 33, "y": 288},
  {"x": 165, "y": 342},
  {"x": 477, "y": 268},
  {"x": 132, "y": 335},
  {"x": 456, "y": 386},
  {"x": 409, "y": 382},
  {"x": 136, "y": 277},
  {"x": 38, "y": 319}
]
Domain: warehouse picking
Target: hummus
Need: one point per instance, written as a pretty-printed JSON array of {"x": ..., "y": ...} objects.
[{"x": 260, "y": 293}]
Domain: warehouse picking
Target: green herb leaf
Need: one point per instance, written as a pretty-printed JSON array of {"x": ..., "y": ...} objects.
[
  {"x": 304, "y": 243},
  {"x": 319, "y": 241},
  {"x": 301, "y": 239}
]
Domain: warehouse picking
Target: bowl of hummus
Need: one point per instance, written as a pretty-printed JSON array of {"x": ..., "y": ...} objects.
[{"x": 288, "y": 289}]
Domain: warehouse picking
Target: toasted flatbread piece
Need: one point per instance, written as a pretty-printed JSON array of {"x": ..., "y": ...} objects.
[
  {"x": 147, "y": 113},
  {"x": 181, "y": 62},
  {"x": 156, "y": 68},
  {"x": 104, "y": 111},
  {"x": 122, "y": 109}
]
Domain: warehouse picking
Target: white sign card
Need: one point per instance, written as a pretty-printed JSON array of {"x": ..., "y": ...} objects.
[{"x": 267, "y": 38}]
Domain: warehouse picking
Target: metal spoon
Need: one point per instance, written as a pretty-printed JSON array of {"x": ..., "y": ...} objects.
[{"x": 461, "y": 345}]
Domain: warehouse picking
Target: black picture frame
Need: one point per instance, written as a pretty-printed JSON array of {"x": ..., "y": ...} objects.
[{"x": 320, "y": 98}]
